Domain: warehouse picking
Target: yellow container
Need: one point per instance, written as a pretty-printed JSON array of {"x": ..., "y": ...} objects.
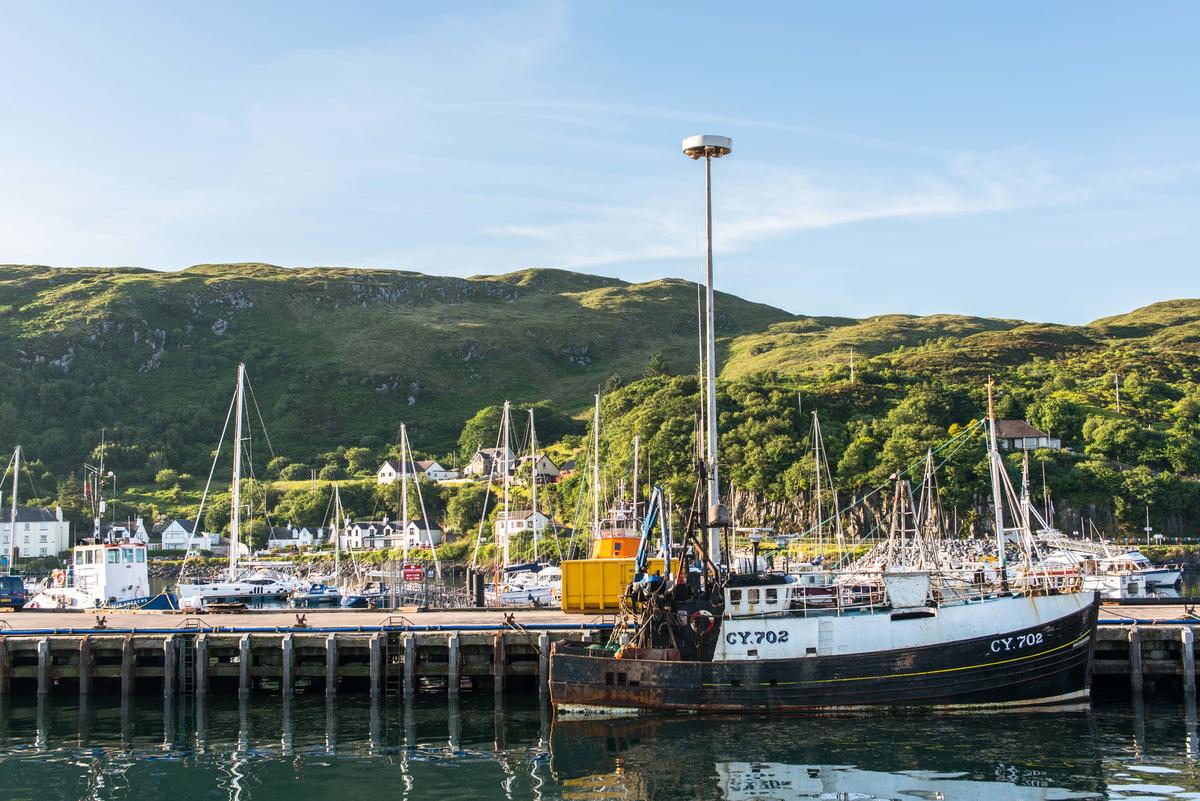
[{"x": 596, "y": 585}]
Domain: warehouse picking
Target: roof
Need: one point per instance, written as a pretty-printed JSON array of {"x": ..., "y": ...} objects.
[
  {"x": 567, "y": 465},
  {"x": 425, "y": 464},
  {"x": 283, "y": 533},
  {"x": 424, "y": 525},
  {"x": 29, "y": 514},
  {"x": 392, "y": 463},
  {"x": 524, "y": 515},
  {"x": 1016, "y": 429}
]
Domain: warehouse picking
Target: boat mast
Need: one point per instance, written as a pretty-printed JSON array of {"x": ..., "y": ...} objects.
[
  {"x": 506, "y": 468},
  {"x": 235, "y": 512},
  {"x": 636, "y": 443},
  {"x": 596, "y": 469},
  {"x": 533, "y": 483},
  {"x": 997, "y": 497},
  {"x": 817, "y": 467},
  {"x": 337, "y": 536},
  {"x": 12, "y": 527},
  {"x": 404, "y": 456}
]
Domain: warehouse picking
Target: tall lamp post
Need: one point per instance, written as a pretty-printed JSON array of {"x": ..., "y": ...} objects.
[{"x": 710, "y": 147}]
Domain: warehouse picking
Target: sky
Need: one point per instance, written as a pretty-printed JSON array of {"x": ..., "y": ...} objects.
[{"x": 1030, "y": 160}]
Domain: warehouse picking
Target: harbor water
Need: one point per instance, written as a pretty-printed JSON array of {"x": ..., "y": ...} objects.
[{"x": 305, "y": 748}]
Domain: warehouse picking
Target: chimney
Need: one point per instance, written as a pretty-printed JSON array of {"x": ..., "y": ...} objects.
[{"x": 58, "y": 513}]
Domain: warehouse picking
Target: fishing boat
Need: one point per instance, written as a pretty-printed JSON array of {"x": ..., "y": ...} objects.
[
  {"x": 104, "y": 575},
  {"x": 704, "y": 638}
]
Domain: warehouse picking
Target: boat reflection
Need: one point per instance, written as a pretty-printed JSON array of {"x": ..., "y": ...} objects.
[{"x": 906, "y": 759}]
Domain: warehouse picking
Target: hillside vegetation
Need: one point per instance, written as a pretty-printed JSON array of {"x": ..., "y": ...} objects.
[{"x": 339, "y": 358}]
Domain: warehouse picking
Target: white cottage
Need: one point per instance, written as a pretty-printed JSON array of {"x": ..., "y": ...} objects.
[{"x": 40, "y": 531}]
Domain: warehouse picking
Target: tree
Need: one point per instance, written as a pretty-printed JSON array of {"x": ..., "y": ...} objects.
[
  {"x": 166, "y": 477},
  {"x": 294, "y": 472},
  {"x": 656, "y": 366},
  {"x": 276, "y": 465},
  {"x": 465, "y": 507},
  {"x": 331, "y": 472},
  {"x": 359, "y": 461}
]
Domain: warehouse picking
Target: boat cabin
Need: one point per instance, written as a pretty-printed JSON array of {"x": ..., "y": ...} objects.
[
  {"x": 112, "y": 572},
  {"x": 618, "y": 536}
]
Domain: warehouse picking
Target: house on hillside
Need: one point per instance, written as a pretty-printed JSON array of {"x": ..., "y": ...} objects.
[
  {"x": 1018, "y": 435},
  {"x": 369, "y": 534},
  {"x": 507, "y": 524},
  {"x": 180, "y": 534},
  {"x": 566, "y": 470},
  {"x": 422, "y": 533},
  {"x": 490, "y": 461},
  {"x": 547, "y": 471},
  {"x": 131, "y": 530},
  {"x": 290, "y": 536},
  {"x": 40, "y": 531},
  {"x": 389, "y": 472}
]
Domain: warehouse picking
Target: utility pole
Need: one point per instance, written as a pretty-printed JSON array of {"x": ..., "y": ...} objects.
[
  {"x": 852, "y": 365},
  {"x": 1117, "y": 384}
]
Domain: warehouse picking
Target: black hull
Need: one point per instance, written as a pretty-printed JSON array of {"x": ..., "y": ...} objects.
[{"x": 967, "y": 674}]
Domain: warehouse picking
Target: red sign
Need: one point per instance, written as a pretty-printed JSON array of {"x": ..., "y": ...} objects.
[{"x": 413, "y": 573}]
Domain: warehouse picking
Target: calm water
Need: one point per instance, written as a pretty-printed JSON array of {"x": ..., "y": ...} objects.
[{"x": 308, "y": 750}]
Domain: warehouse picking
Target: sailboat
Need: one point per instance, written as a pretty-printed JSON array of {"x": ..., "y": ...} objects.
[
  {"x": 238, "y": 584},
  {"x": 532, "y": 583},
  {"x": 713, "y": 640}
]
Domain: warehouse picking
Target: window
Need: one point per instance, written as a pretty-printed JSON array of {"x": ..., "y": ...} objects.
[
  {"x": 752, "y": 596},
  {"x": 42, "y": 538},
  {"x": 127, "y": 553},
  {"x": 735, "y": 596},
  {"x": 114, "y": 556},
  {"x": 27, "y": 527},
  {"x": 772, "y": 595},
  {"x": 44, "y": 552},
  {"x": 141, "y": 555}
]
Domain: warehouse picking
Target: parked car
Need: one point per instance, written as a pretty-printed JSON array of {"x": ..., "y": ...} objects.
[{"x": 12, "y": 592}]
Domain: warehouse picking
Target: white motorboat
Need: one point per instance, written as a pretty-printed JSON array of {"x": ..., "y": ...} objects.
[
  {"x": 529, "y": 588},
  {"x": 252, "y": 585}
]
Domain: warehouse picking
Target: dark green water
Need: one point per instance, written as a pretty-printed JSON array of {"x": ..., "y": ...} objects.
[{"x": 308, "y": 750}]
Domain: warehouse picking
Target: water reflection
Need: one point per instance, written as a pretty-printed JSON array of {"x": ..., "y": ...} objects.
[{"x": 310, "y": 747}]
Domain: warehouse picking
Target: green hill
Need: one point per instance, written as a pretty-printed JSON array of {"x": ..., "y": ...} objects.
[{"x": 338, "y": 358}]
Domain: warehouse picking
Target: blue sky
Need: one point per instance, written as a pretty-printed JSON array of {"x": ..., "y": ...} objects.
[{"x": 1031, "y": 160}]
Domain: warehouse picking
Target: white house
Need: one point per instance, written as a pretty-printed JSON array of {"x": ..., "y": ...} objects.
[
  {"x": 507, "y": 524},
  {"x": 41, "y": 531},
  {"x": 291, "y": 537},
  {"x": 1018, "y": 435},
  {"x": 133, "y": 531},
  {"x": 376, "y": 534},
  {"x": 179, "y": 534},
  {"x": 421, "y": 533},
  {"x": 545, "y": 467},
  {"x": 389, "y": 472},
  {"x": 490, "y": 461}
]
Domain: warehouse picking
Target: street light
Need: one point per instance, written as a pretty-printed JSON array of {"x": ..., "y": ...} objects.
[{"x": 710, "y": 147}]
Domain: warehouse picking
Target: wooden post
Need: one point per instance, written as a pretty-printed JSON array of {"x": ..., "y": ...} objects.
[
  {"x": 410, "y": 664},
  {"x": 285, "y": 678},
  {"x": 331, "y": 665},
  {"x": 5, "y": 670},
  {"x": 201, "y": 665},
  {"x": 1135, "y": 661},
  {"x": 127, "y": 666},
  {"x": 376, "y": 662},
  {"x": 85, "y": 667},
  {"x": 244, "y": 666},
  {"x": 498, "y": 663},
  {"x": 1189, "y": 661},
  {"x": 169, "y": 679},
  {"x": 543, "y": 662},
  {"x": 452, "y": 665},
  {"x": 43, "y": 668}
]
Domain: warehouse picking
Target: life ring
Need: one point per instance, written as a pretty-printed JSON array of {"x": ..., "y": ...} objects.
[{"x": 695, "y": 622}]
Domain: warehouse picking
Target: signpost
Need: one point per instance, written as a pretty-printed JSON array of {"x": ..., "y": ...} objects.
[{"x": 413, "y": 573}]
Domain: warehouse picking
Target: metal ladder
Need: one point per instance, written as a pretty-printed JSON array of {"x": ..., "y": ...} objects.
[
  {"x": 393, "y": 663},
  {"x": 187, "y": 665}
]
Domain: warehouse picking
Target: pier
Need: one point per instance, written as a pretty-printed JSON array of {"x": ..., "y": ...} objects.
[{"x": 1148, "y": 649}]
